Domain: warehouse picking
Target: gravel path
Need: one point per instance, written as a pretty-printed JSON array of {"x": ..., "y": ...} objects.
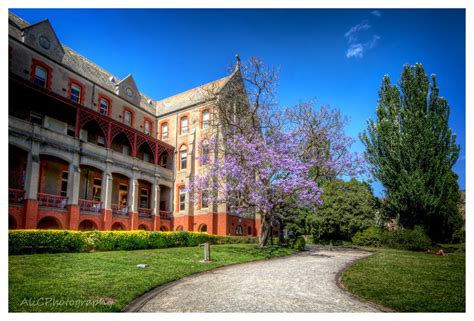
[{"x": 299, "y": 283}]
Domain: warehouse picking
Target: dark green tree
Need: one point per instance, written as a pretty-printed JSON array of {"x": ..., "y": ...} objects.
[
  {"x": 348, "y": 207},
  {"x": 412, "y": 151}
]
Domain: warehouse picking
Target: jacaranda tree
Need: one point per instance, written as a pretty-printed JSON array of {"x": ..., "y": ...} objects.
[{"x": 262, "y": 162}]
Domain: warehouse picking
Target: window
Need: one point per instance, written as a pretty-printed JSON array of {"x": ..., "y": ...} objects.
[
  {"x": 144, "y": 198},
  {"x": 41, "y": 76},
  {"x": 184, "y": 125},
  {"x": 97, "y": 189},
  {"x": 101, "y": 141},
  {"x": 127, "y": 118},
  {"x": 164, "y": 160},
  {"x": 147, "y": 127},
  {"x": 64, "y": 176},
  {"x": 205, "y": 199},
  {"x": 76, "y": 93},
  {"x": 36, "y": 118},
  {"x": 205, "y": 153},
  {"x": 205, "y": 119},
  {"x": 104, "y": 106},
  {"x": 183, "y": 156},
  {"x": 164, "y": 131},
  {"x": 182, "y": 199},
  {"x": 238, "y": 230}
]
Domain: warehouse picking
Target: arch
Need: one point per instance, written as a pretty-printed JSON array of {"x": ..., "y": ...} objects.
[
  {"x": 202, "y": 228},
  {"x": 163, "y": 229},
  {"x": 249, "y": 230},
  {"x": 12, "y": 224},
  {"x": 143, "y": 149},
  {"x": 87, "y": 225},
  {"x": 117, "y": 226},
  {"x": 53, "y": 157},
  {"x": 49, "y": 223},
  {"x": 179, "y": 228},
  {"x": 120, "y": 141},
  {"x": 93, "y": 127},
  {"x": 143, "y": 227}
]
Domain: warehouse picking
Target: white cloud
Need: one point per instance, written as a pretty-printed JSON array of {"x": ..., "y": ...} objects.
[
  {"x": 355, "y": 50},
  {"x": 376, "y": 13},
  {"x": 353, "y": 33},
  {"x": 373, "y": 42}
]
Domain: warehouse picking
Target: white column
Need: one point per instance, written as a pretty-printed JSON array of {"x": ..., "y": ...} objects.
[
  {"x": 32, "y": 172},
  {"x": 73, "y": 181}
]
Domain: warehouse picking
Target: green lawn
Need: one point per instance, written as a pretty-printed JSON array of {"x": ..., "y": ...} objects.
[
  {"x": 410, "y": 281},
  {"x": 108, "y": 281}
]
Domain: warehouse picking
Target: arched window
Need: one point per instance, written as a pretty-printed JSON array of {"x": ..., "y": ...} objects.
[
  {"x": 164, "y": 131},
  {"x": 183, "y": 157},
  {"x": 205, "y": 119},
  {"x": 184, "y": 125}
]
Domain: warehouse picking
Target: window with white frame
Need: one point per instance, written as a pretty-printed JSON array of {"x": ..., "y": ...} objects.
[
  {"x": 164, "y": 131},
  {"x": 183, "y": 156},
  {"x": 104, "y": 106},
  {"x": 184, "y": 125},
  {"x": 205, "y": 119},
  {"x": 76, "y": 93},
  {"x": 41, "y": 76},
  {"x": 182, "y": 198},
  {"x": 147, "y": 127},
  {"x": 127, "y": 118}
]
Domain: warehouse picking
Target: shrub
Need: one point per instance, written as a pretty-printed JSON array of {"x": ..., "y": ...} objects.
[
  {"x": 368, "y": 237},
  {"x": 54, "y": 241},
  {"x": 299, "y": 243},
  {"x": 405, "y": 239}
]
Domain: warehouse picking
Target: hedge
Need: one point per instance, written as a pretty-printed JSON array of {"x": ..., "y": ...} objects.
[
  {"x": 59, "y": 241},
  {"x": 414, "y": 239}
]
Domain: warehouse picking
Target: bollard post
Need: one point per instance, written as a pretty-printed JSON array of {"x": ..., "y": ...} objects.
[{"x": 207, "y": 251}]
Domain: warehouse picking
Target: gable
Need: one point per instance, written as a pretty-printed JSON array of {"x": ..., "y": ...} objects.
[
  {"x": 127, "y": 89},
  {"x": 42, "y": 37}
]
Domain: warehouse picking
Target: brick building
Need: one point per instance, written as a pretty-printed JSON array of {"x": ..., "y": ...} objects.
[{"x": 87, "y": 150}]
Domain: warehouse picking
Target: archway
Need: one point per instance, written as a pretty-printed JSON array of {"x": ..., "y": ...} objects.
[
  {"x": 48, "y": 223},
  {"x": 203, "y": 228},
  {"x": 249, "y": 230},
  {"x": 94, "y": 133},
  {"x": 163, "y": 229},
  {"x": 122, "y": 144},
  {"x": 87, "y": 225},
  {"x": 145, "y": 153},
  {"x": 118, "y": 227},
  {"x": 142, "y": 227},
  {"x": 179, "y": 228},
  {"x": 12, "y": 223}
]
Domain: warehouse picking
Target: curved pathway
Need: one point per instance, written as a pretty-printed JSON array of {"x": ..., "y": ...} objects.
[{"x": 305, "y": 282}]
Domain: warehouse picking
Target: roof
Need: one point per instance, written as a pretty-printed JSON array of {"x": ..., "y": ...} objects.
[
  {"x": 191, "y": 97},
  {"x": 95, "y": 73}
]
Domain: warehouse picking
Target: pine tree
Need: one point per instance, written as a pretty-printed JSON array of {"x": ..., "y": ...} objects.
[{"x": 412, "y": 151}]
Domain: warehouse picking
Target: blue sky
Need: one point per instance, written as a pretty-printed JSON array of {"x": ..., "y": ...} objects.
[{"x": 338, "y": 57}]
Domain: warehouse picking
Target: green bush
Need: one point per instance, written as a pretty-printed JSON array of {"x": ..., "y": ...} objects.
[
  {"x": 54, "y": 241},
  {"x": 299, "y": 243},
  {"x": 414, "y": 239},
  {"x": 368, "y": 237}
]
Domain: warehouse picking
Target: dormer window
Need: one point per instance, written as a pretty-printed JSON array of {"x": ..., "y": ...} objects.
[
  {"x": 76, "y": 92},
  {"x": 41, "y": 76}
]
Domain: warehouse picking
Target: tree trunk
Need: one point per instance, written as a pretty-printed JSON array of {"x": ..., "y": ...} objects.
[{"x": 265, "y": 230}]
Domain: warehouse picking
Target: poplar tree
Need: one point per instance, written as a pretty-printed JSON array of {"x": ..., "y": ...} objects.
[{"x": 412, "y": 150}]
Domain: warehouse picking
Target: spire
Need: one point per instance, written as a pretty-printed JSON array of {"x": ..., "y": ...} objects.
[{"x": 237, "y": 64}]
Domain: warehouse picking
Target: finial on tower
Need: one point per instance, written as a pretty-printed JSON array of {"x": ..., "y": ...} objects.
[{"x": 237, "y": 65}]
